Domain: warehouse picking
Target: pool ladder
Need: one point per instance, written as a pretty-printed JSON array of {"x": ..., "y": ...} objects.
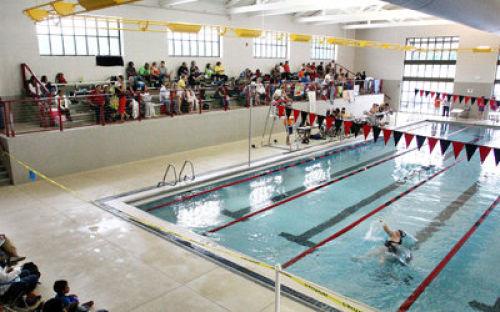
[{"x": 178, "y": 178}]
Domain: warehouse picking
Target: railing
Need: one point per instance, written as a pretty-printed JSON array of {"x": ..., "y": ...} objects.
[
  {"x": 186, "y": 177},
  {"x": 39, "y": 87},
  {"x": 175, "y": 180},
  {"x": 25, "y": 115}
]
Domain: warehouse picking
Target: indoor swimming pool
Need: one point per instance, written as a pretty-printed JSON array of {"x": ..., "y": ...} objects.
[{"x": 319, "y": 218}]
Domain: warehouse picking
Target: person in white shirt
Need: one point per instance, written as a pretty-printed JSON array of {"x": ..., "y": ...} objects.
[
  {"x": 19, "y": 281},
  {"x": 147, "y": 99},
  {"x": 64, "y": 102},
  {"x": 193, "y": 102},
  {"x": 165, "y": 97},
  {"x": 260, "y": 92}
]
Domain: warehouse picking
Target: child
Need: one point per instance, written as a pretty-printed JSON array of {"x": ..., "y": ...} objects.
[{"x": 70, "y": 302}]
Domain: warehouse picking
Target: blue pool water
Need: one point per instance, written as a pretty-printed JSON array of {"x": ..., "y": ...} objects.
[{"x": 438, "y": 213}]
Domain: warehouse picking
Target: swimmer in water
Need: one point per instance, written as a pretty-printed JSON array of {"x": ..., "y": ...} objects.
[
  {"x": 392, "y": 247},
  {"x": 394, "y": 243}
]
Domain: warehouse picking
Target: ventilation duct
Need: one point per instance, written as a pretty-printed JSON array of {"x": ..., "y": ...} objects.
[{"x": 480, "y": 14}]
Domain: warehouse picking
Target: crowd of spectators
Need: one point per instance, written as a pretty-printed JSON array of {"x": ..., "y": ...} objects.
[
  {"x": 19, "y": 281},
  {"x": 182, "y": 90}
]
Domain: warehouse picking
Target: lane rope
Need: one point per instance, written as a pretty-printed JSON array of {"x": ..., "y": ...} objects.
[
  {"x": 365, "y": 217},
  {"x": 286, "y": 200},
  {"x": 435, "y": 272}
]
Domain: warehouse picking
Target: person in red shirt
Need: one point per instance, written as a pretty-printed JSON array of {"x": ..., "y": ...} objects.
[
  {"x": 288, "y": 73},
  {"x": 98, "y": 99}
]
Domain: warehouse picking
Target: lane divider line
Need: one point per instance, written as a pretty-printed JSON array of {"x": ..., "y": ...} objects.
[
  {"x": 250, "y": 178},
  {"x": 365, "y": 217},
  {"x": 281, "y": 202},
  {"x": 453, "y": 251}
]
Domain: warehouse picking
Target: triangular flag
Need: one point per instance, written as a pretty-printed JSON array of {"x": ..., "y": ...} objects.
[
  {"x": 387, "y": 135},
  {"x": 355, "y": 128},
  {"x": 432, "y": 94},
  {"x": 347, "y": 127},
  {"x": 480, "y": 101},
  {"x": 427, "y": 93},
  {"x": 457, "y": 148},
  {"x": 376, "y": 133},
  {"x": 470, "y": 149},
  {"x": 420, "y": 141},
  {"x": 296, "y": 114},
  {"x": 461, "y": 98},
  {"x": 432, "y": 143},
  {"x": 329, "y": 122},
  {"x": 455, "y": 98},
  {"x": 467, "y": 99},
  {"x": 397, "y": 136},
  {"x": 366, "y": 130},
  {"x": 312, "y": 117},
  {"x": 281, "y": 110},
  {"x": 444, "y": 145},
  {"x": 438, "y": 95},
  {"x": 493, "y": 103},
  {"x": 416, "y": 91},
  {"x": 484, "y": 151},
  {"x": 473, "y": 100},
  {"x": 408, "y": 139},
  {"x": 421, "y": 93},
  {"x": 498, "y": 103},
  {"x": 448, "y": 97},
  {"x": 496, "y": 152}
]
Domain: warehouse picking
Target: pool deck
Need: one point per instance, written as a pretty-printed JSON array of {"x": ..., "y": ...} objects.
[{"x": 115, "y": 263}]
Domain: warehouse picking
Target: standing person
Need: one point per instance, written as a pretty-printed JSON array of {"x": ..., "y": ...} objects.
[
  {"x": 98, "y": 100},
  {"x": 121, "y": 92},
  {"x": 446, "y": 107},
  {"x": 164, "y": 75},
  {"x": 147, "y": 99},
  {"x": 192, "y": 101},
  {"x": 62, "y": 102},
  {"x": 176, "y": 98},
  {"x": 165, "y": 97},
  {"x": 288, "y": 73}
]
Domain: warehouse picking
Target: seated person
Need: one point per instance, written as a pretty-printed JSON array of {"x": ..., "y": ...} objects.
[
  {"x": 19, "y": 282},
  {"x": 130, "y": 71},
  {"x": 306, "y": 78},
  {"x": 155, "y": 73},
  {"x": 260, "y": 92},
  {"x": 8, "y": 252},
  {"x": 183, "y": 70},
  {"x": 145, "y": 72},
  {"x": 208, "y": 72},
  {"x": 220, "y": 72},
  {"x": 60, "y": 79},
  {"x": 70, "y": 302}
]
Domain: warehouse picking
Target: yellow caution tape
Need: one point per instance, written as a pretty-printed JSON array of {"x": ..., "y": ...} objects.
[{"x": 333, "y": 298}]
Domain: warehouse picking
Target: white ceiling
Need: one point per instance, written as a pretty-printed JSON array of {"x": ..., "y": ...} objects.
[{"x": 350, "y": 14}]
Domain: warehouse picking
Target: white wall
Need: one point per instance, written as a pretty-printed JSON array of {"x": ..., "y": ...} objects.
[
  {"x": 19, "y": 44},
  {"x": 474, "y": 70}
]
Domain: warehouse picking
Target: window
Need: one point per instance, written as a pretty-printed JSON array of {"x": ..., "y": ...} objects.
[
  {"x": 432, "y": 70},
  {"x": 207, "y": 43},
  {"x": 271, "y": 45},
  {"x": 79, "y": 35},
  {"x": 322, "y": 50},
  {"x": 496, "y": 91}
]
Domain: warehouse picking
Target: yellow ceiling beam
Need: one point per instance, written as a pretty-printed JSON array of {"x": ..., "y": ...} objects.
[
  {"x": 300, "y": 38},
  {"x": 37, "y": 14},
  {"x": 64, "y": 8},
  {"x": 247, "y": 33}
]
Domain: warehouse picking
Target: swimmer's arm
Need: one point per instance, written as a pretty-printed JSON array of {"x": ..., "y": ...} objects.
[{"x": 387, "y": 229}]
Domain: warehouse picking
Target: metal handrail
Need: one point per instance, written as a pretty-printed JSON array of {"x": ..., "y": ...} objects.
[
  {"x": 163, "y": 183},
  {"x": 186, "y": 177}
]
